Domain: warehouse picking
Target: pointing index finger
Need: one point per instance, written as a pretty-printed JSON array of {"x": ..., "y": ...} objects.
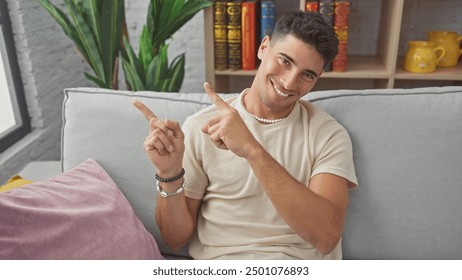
[
  {"x": 214, "y": 96},
  {"x": 148, "y": 114}
]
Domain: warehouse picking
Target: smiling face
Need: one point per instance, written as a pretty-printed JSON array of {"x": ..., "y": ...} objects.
[{"x": 288, "y": 71}]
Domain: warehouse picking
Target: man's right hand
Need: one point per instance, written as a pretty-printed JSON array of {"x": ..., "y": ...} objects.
[{"x": 164, "y": 143}]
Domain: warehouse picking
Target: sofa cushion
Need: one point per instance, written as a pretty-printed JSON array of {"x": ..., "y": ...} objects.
[
  {"x": 104, "y": 125},
  {"x": 408, "y": 158},
  {"x": 14, "y": 182},
  {"x": 79, "y": 214}
]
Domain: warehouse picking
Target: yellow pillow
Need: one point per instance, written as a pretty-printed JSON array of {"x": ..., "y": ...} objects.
[{"x": 13, "y": 183}]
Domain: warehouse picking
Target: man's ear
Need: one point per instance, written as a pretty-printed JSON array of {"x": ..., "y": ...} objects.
[{"x": 265, "y": 44}]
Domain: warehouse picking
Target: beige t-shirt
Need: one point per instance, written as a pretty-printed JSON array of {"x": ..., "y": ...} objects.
[{"x": 237, "y": 219}]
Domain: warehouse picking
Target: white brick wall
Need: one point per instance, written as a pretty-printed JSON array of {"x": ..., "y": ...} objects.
[{"x": 48, "y": 63}]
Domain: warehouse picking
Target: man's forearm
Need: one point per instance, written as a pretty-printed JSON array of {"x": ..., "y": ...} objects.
[
  {"x": 311, "y": 216},
  {"x": 173, "y": 217}
]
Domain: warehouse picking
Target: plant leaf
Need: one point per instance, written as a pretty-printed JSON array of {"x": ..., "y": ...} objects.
[
  {"x": 129, "y": 55},
  {"x": 145, "y": 54},
  {"x": 158, "y": 69},
  {"x": 152, "y": 20},
  {"x": 63, "y": 21},
  {"x": 111, "y": 33},
  {"x": 162, "y": 85},
  {"x": 167, "y": 28},
  {"x": 176, "y": 73},
  {"x": 131, "y": 76},
  {"x": 95, "y": 80},
  {"x": 90, "y": 50},
  {"x": 93, "y": 17}
]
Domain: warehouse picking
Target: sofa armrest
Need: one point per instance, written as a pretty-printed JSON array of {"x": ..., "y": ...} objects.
[{"x": 40, "y": 170}]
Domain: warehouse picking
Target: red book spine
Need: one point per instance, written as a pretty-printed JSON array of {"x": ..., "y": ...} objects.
[
  {"x": 341, "y": 12},
  {"x": 340, "y": 62},
  {"x": 249, "y": 35}
]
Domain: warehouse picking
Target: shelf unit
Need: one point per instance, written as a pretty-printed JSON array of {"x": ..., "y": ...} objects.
[{"x": 381, "y": 69}]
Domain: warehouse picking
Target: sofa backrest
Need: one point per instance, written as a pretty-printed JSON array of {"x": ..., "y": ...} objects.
[
  {"x": 103, "y": 124},
  {"x": 406, "y": 147},
  {"x": 408, "y": 160}
]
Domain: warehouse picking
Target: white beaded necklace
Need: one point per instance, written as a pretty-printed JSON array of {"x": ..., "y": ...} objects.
[{"x": 260, "y": 119}]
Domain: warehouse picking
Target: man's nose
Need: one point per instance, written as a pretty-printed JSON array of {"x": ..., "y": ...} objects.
[{"x": 289, "y": 80}]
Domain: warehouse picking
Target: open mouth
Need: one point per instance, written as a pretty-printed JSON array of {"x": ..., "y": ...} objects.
[{"x": 279, "y": 92}]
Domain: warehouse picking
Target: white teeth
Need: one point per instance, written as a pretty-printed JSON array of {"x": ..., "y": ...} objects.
[{"x": 279, "y": 92}]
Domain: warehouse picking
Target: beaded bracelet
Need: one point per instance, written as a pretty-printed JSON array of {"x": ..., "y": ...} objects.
[
  {"x": 168, "y": 180},
  {"x": 168, "y": 194}
]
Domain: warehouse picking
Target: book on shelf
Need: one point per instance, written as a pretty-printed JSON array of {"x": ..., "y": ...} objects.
[
  {"x": 220, "y": 34},
  {"x": 250, "y": 33},
  {"x": 326, "y": 8},
  {"x": 233, "y": 9},
  {"x": 268, "y": 13},
  {"x": 312, "y": 6},
  {"x": 341, "y": 13}
]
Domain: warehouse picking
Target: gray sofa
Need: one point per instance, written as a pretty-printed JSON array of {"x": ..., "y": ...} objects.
[{"x": 407, "y": 153}]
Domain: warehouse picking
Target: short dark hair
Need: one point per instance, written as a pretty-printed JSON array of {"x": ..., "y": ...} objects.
[{"x": 311, "y": 28}]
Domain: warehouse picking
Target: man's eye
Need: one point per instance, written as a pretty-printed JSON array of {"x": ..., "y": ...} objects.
[
  {"x": 284, "y": 61},
  {"x": 308, "y": 76}
]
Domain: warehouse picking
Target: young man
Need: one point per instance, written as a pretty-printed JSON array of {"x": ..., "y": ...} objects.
[{"x": 267, "y": 175}]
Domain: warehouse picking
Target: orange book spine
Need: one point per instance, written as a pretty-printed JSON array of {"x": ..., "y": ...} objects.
[
  {"x": 312, "y": 6},
  {"x": 249, "y": 35}
]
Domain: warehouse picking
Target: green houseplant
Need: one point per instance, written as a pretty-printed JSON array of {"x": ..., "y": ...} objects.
[
  {"x": 151, "y": 70},
  {"x": 98, "y": 29},
  {"x": 95, "y": 27}
]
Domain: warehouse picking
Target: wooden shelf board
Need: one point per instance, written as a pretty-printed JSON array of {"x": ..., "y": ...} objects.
[
  {"x": 236, "y": 72},
  {"x": 441, "y": 73},
  {"x": 361, "y": 67}
]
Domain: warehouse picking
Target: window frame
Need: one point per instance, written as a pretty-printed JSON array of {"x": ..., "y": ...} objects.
[{"x": 23, "y": 125}]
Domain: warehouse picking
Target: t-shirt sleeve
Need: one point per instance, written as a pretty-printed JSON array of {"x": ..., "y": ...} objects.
[
  {"x": 334, "y": 153},
  {"x": 196, "y": 180}
]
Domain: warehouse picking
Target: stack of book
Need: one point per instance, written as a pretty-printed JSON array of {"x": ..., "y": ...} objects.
[
  {"x": 239, "y": 27},
  {"x": 336, "y": 13}
]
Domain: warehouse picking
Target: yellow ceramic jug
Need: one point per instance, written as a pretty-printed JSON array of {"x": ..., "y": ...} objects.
[
  {"x": 451, "y": 44},
  {"x": 422, "y": 56}
]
